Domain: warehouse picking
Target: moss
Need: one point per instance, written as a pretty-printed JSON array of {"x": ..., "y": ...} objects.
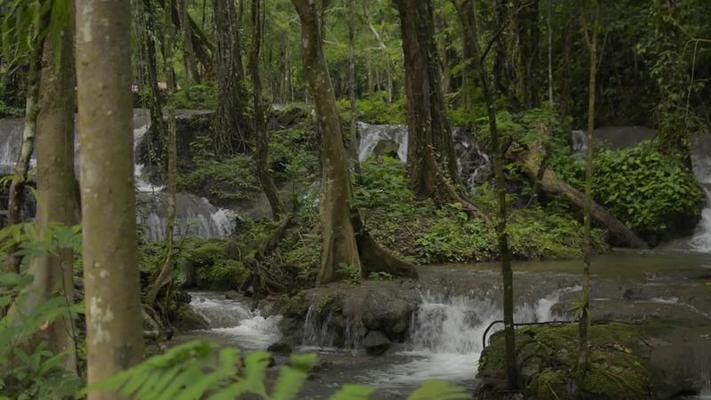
[{"x": 547, "y": 357}]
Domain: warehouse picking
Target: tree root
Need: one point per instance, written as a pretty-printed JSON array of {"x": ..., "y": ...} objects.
[{"x": 374, "y": 258}]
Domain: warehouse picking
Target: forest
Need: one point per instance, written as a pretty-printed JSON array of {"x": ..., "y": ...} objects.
[{"x": 355, "y": 199}]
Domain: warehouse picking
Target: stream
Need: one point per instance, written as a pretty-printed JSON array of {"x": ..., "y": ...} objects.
[{"x": 458, "y": 303}]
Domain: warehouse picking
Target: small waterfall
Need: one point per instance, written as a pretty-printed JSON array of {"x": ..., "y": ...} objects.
[
  {"x": 474, "y": 164},
  {"x": 375, "y": 138},
  {"x": 579, "y": 141},
  {"x": 701, "y": 161},
  {"x": 195, "y": 215},
  {"x": 447, "y": 331},
  {"x": 319, "y": 332},
  {"x": 232, "y": 319}
]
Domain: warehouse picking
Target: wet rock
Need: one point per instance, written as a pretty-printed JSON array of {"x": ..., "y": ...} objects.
[
  {"x": 186, "y": 319},
  {"x": 281, "y": 348},
  {"x": 376, "y": 343}
]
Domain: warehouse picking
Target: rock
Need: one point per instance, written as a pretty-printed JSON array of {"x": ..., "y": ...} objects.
[
  {"x": 281, "y": 348},
  {"x": 186, "y": 319},
  {"x": 376, "y": 343}
]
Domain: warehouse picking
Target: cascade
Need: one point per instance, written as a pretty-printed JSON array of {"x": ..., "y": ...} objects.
[
  {"x": 194, "y": 215},
  {"x": 474, "y": 164},
  {"x": 232, "y": 319},
  {"x": 701, "y": 162},
  {"x": 447, "y": 331}
]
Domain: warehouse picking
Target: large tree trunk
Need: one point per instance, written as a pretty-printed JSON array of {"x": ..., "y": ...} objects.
[
  {"x": 344, "y": 239},
  {"x": 528, "y": 37},
  {"x": 550, "y": 183},
  {"x": 56, "y": 201},
  {"x": 430, "y": 137},
  {"x": 339, "y": 246},
  {"x": 191, "y": 68},
  {"x": 230, "y": 128},
  {"x": 501, "y": 232},
  {"x": 22, "y": 167},
  {"x": 260, "y": 121},
  {"x": 112, "y": 293}
]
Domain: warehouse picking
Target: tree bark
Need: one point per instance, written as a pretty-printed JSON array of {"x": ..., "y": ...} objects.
[
  {"x": 112, "y": 292},
  {"x": 430, "y": 137},
  {"x": 551, "y": 184},
  {"x": 585, "y": 321},
  {"x": 344, "y": 238},
  {"x": 53, "y": 273},
  {"x": 19, "y": 180},
  {"x": 501, "y": 233},
  {"x": 260, "y": 121},
  {"x": 353, "y": 86},
  {"x": 230, "y": 131},
  {"x": 191, "y": 68},
  {"x": 528, "y": 37}
]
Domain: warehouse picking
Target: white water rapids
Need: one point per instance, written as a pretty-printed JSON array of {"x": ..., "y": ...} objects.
[
  {"x": 701, "y": 161},
  {"x": 445, "y": 339}
]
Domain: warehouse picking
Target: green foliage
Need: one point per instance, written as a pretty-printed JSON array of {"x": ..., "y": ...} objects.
[
  {"x": 647, "y": 190},
  {"x": 196, "y": 97},
  {"x": 222, "y": 181},
  {"x": 28, "y": 370},
  {"x": 199, "y": 370},
  {"x": 551, "y": 351},
  {"x": 375, "y": 109},
  {"x": 213, "y": 261}
]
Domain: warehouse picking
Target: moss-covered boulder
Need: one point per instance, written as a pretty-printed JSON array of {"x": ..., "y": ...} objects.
[{"x": 547, "y": 357}]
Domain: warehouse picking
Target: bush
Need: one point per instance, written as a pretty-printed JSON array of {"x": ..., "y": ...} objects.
[
  {"x": 652, "y": 193},
  {"x": 222, "y": 182},
  {"x": 375, "y": 109},
  {"x": 197, "y": 97}
]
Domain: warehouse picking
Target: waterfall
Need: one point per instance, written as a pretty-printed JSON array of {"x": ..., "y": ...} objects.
[
  {"x": 447, "y": 331},
  {"x": 701, "y": 162},
  {"x": 474, "y": 164},
  {"x": 232, "y": 319},
  {"x": 194, "y": 215},
  {"x": 373, "y": 135}
]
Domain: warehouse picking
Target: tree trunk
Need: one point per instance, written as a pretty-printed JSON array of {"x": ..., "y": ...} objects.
[
  {"x": 112, "y": 292},
  {"x": 502, "y": 235},
  {"x": 19, "y": 180},
  {"x": 528, "y": 37},
  {"x": 53, "y": 273},
  {"x": 191, "y": 69},
  {"x": 230, "y": 130},
  {"x": 584, "y": 327},
  {"x": 353, "y": 85},
  {"x": 260, "y": 121},
  {"x": 551, "y": 184},
  {"x": 430, "y": 137},
  {"x": 343, "y": 237},
  {"x": 469, "y": 77}
]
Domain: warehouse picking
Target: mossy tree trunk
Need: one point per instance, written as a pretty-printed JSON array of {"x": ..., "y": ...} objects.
[
  {"x": 230, "y": 129},
  {"x": 191, "y": 65},
  {"x": 501, "y": 233},
  {"x": 112, "y": 293},
  {"x": 53, "y": 274},
  {"x": 528, "y": 34},
  {"x": 345, "y": 241},
  {"x": 22, "y": 166},
  {"x": 260, "y": 121}
]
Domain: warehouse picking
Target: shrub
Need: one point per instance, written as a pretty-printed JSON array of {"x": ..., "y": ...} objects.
[
  {"x": 196, "y": 97},
  {"x": 650, "y": 192},
  {"x": 225, "y": 181}
]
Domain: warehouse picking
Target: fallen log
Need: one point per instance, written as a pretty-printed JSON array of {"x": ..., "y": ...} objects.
[{"x": 532, "y": 160}]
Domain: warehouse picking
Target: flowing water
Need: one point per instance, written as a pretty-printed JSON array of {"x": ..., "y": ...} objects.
[
  {"x": 701, "y": 161},
  {"x": 474, "y": 164},
  {"x": 194, "y": 215}
]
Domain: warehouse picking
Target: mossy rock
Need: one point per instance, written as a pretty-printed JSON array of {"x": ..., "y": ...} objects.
[{"x": 547, "y": 357}]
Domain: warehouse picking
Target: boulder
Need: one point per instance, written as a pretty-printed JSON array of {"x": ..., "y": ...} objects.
[{"x": 375, "y": 343}]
